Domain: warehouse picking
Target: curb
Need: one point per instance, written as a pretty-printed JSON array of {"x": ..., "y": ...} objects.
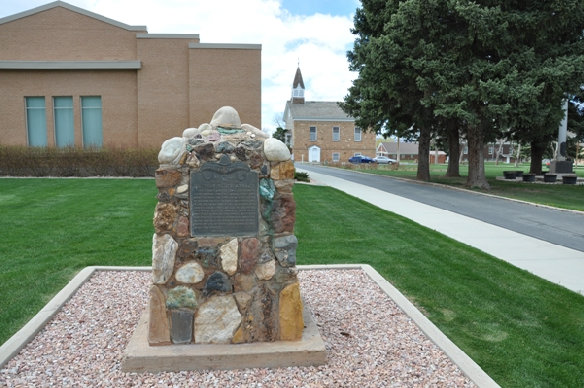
[
  {"x": 22, "y": 337},
  {"x": 470, "y": 368}
]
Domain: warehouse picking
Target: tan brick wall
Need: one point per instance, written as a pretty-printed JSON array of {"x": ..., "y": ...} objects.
[
  {"x": 73, "y": 37},
  {"x": 163, "y": 94},
  {"x": 117, "y": 89},
  {"x": 176, "y": 87},
  {"x": 346, "y": 146},
  {"x": 220, "y": 77}
]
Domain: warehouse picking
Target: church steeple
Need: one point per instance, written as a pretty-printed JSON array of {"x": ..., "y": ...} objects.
[{"x": 298, "y": 88}]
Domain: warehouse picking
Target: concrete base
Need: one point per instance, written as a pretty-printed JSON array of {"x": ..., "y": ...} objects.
[
  {"x": 561, "y": 167},
  {"x": 140, "y": 357}
]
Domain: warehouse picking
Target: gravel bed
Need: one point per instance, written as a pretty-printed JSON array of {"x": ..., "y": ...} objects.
[{"x": 370, "y": 342}]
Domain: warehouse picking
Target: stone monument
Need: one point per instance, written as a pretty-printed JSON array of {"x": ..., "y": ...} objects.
[
  {"x": 224, "y": 253},
  {"x": 562, "y": 165}
]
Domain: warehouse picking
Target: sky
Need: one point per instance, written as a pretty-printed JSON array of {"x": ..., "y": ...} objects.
[{"x": 314, "y": 34}]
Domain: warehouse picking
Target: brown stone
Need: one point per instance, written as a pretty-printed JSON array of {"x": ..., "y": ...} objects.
[
  {"x": 242, "y": 299},
  {"x": 260, "y": 322},
  {"x": 182, "y": 227},
  {"x": 204, "y": 151},
  {"x": 255, "y": 161},
  {"x": 284, "y": 186},
  {"x": 249, "y": 254},
  {"x": 284, "y": 214},
  {"x": 158, "y": 327},
  {"x": 211, "y": 241},
  {"x": 283, "y": 170},
  {"x": 187, "y": 249},
  {"x": 290, "y": 313},
  {"x": 167, "y": 177},
  {"x": 242, "y": 282},
  {"x": 164, "y": 217}
]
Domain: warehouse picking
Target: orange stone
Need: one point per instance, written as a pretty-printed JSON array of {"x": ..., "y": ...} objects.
[
  {"x": 158, "y": 327},
  {"x": 238, "y": 337},
  {"x": 167, "y": 178},
  {"x": 290, "y": 313},
  {"x": 284, "y": 170}
]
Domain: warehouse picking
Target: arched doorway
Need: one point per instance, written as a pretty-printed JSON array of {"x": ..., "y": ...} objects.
[{"x": 314, "y": 154}]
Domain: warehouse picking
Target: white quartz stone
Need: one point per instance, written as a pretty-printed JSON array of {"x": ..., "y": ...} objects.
[
  {"x": 163, "y": 252},
  {"x": 205, "y": 127},
  {"x": 217, "y": 320},
  {"x": 275, "y": 150},
  {"x": 253, "y": 131},
  {"x": 190, "y": 133},
  {"x": 229, "y": 256},
  {"x": 226, "y": 117},
  {"x": 265, "y": 271},
  {"x": 191, "y": 272},
  {"x": 172, "y": 150},
  {"x": 182, "y": 189}
]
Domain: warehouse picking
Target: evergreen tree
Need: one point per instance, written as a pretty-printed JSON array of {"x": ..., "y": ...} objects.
[
  {"x": 482, "y": 65},
  {"x": 280, "y": 134}
]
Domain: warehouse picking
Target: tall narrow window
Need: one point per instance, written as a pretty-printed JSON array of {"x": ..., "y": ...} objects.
[
  {"x": 92, "y": 121},
  {"x": 357, "y": 134},
  {"x": 336, "y": 157},
  {"x": 64, "y": 132},
  {"x": 36, "y": 121},
  {"x": 312, "y": 133},
  {"x": 336, "y": 134}
]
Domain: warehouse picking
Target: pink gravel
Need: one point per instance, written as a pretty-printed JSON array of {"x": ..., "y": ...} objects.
[{"x": 370, "y": 342}]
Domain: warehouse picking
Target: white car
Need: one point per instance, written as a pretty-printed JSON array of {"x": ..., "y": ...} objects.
[{"x": 384, "y": 160}]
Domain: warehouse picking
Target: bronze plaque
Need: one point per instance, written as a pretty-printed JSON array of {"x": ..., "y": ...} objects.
[{"x": 224, "y": 199}]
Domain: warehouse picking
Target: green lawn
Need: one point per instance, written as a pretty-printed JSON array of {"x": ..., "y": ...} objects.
[
  {"x": 52, "y": 228},
  {"x": 523, "y": 331},
  {"x": 558, "y": 195}
]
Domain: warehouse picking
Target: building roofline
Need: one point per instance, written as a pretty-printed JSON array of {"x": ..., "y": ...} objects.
[
  {"x": 167, "y": 36},
  {"x": 322, "y": 119},
  {"x": 70, "y": 65},
  {"x": 236, "y": 46},
  {"x": 72, "y": 8},
  {"x": 298, "y": 81}
]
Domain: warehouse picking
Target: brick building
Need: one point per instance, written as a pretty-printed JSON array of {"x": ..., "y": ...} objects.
[
  {"x": 70, "y": 77},
  {"x": 320, "y": 131}
]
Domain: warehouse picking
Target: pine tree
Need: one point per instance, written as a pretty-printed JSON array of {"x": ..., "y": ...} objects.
[{"x": 489, "y": 67}]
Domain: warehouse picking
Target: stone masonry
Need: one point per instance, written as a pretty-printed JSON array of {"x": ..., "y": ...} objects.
[{"x": 224, "y": 251}]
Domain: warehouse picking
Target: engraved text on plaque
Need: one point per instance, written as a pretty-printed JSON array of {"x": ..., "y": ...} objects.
[{"x": 224, "y": 200}]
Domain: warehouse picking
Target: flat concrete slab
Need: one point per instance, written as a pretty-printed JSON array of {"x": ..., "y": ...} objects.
[{"x": 141, "y": 357}]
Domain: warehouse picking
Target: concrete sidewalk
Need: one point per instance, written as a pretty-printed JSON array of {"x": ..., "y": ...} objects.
[{"x": 555, "y": 263}]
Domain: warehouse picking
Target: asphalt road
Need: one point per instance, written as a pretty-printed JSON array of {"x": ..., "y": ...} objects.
[{"x": 555, "y": 226}]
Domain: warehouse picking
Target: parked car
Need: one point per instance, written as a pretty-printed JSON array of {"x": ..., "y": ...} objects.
[
  {"x": 384, "y": 160},
  {"x": 361, "y": 159}
]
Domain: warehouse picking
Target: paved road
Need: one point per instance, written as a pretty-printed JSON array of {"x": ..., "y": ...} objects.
[{"x": 555, "y": 226}]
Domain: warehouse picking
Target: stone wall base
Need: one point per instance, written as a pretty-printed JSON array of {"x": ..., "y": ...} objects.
[{"x": 140, "y": 357}]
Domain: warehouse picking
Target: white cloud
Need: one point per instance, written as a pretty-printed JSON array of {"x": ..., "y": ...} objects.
[{"x": 318, "y": 41}]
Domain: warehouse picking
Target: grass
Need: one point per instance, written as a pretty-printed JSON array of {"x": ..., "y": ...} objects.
[
  {"x": 556, "y": 195},
  {"x": 523, "y": 331},
  {"x": 52, "y": 228}
]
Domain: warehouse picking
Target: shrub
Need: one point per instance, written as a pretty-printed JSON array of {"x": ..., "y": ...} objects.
[
  {"x": 37, "y": 161},
  {"x": 301, "y": 176}
]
